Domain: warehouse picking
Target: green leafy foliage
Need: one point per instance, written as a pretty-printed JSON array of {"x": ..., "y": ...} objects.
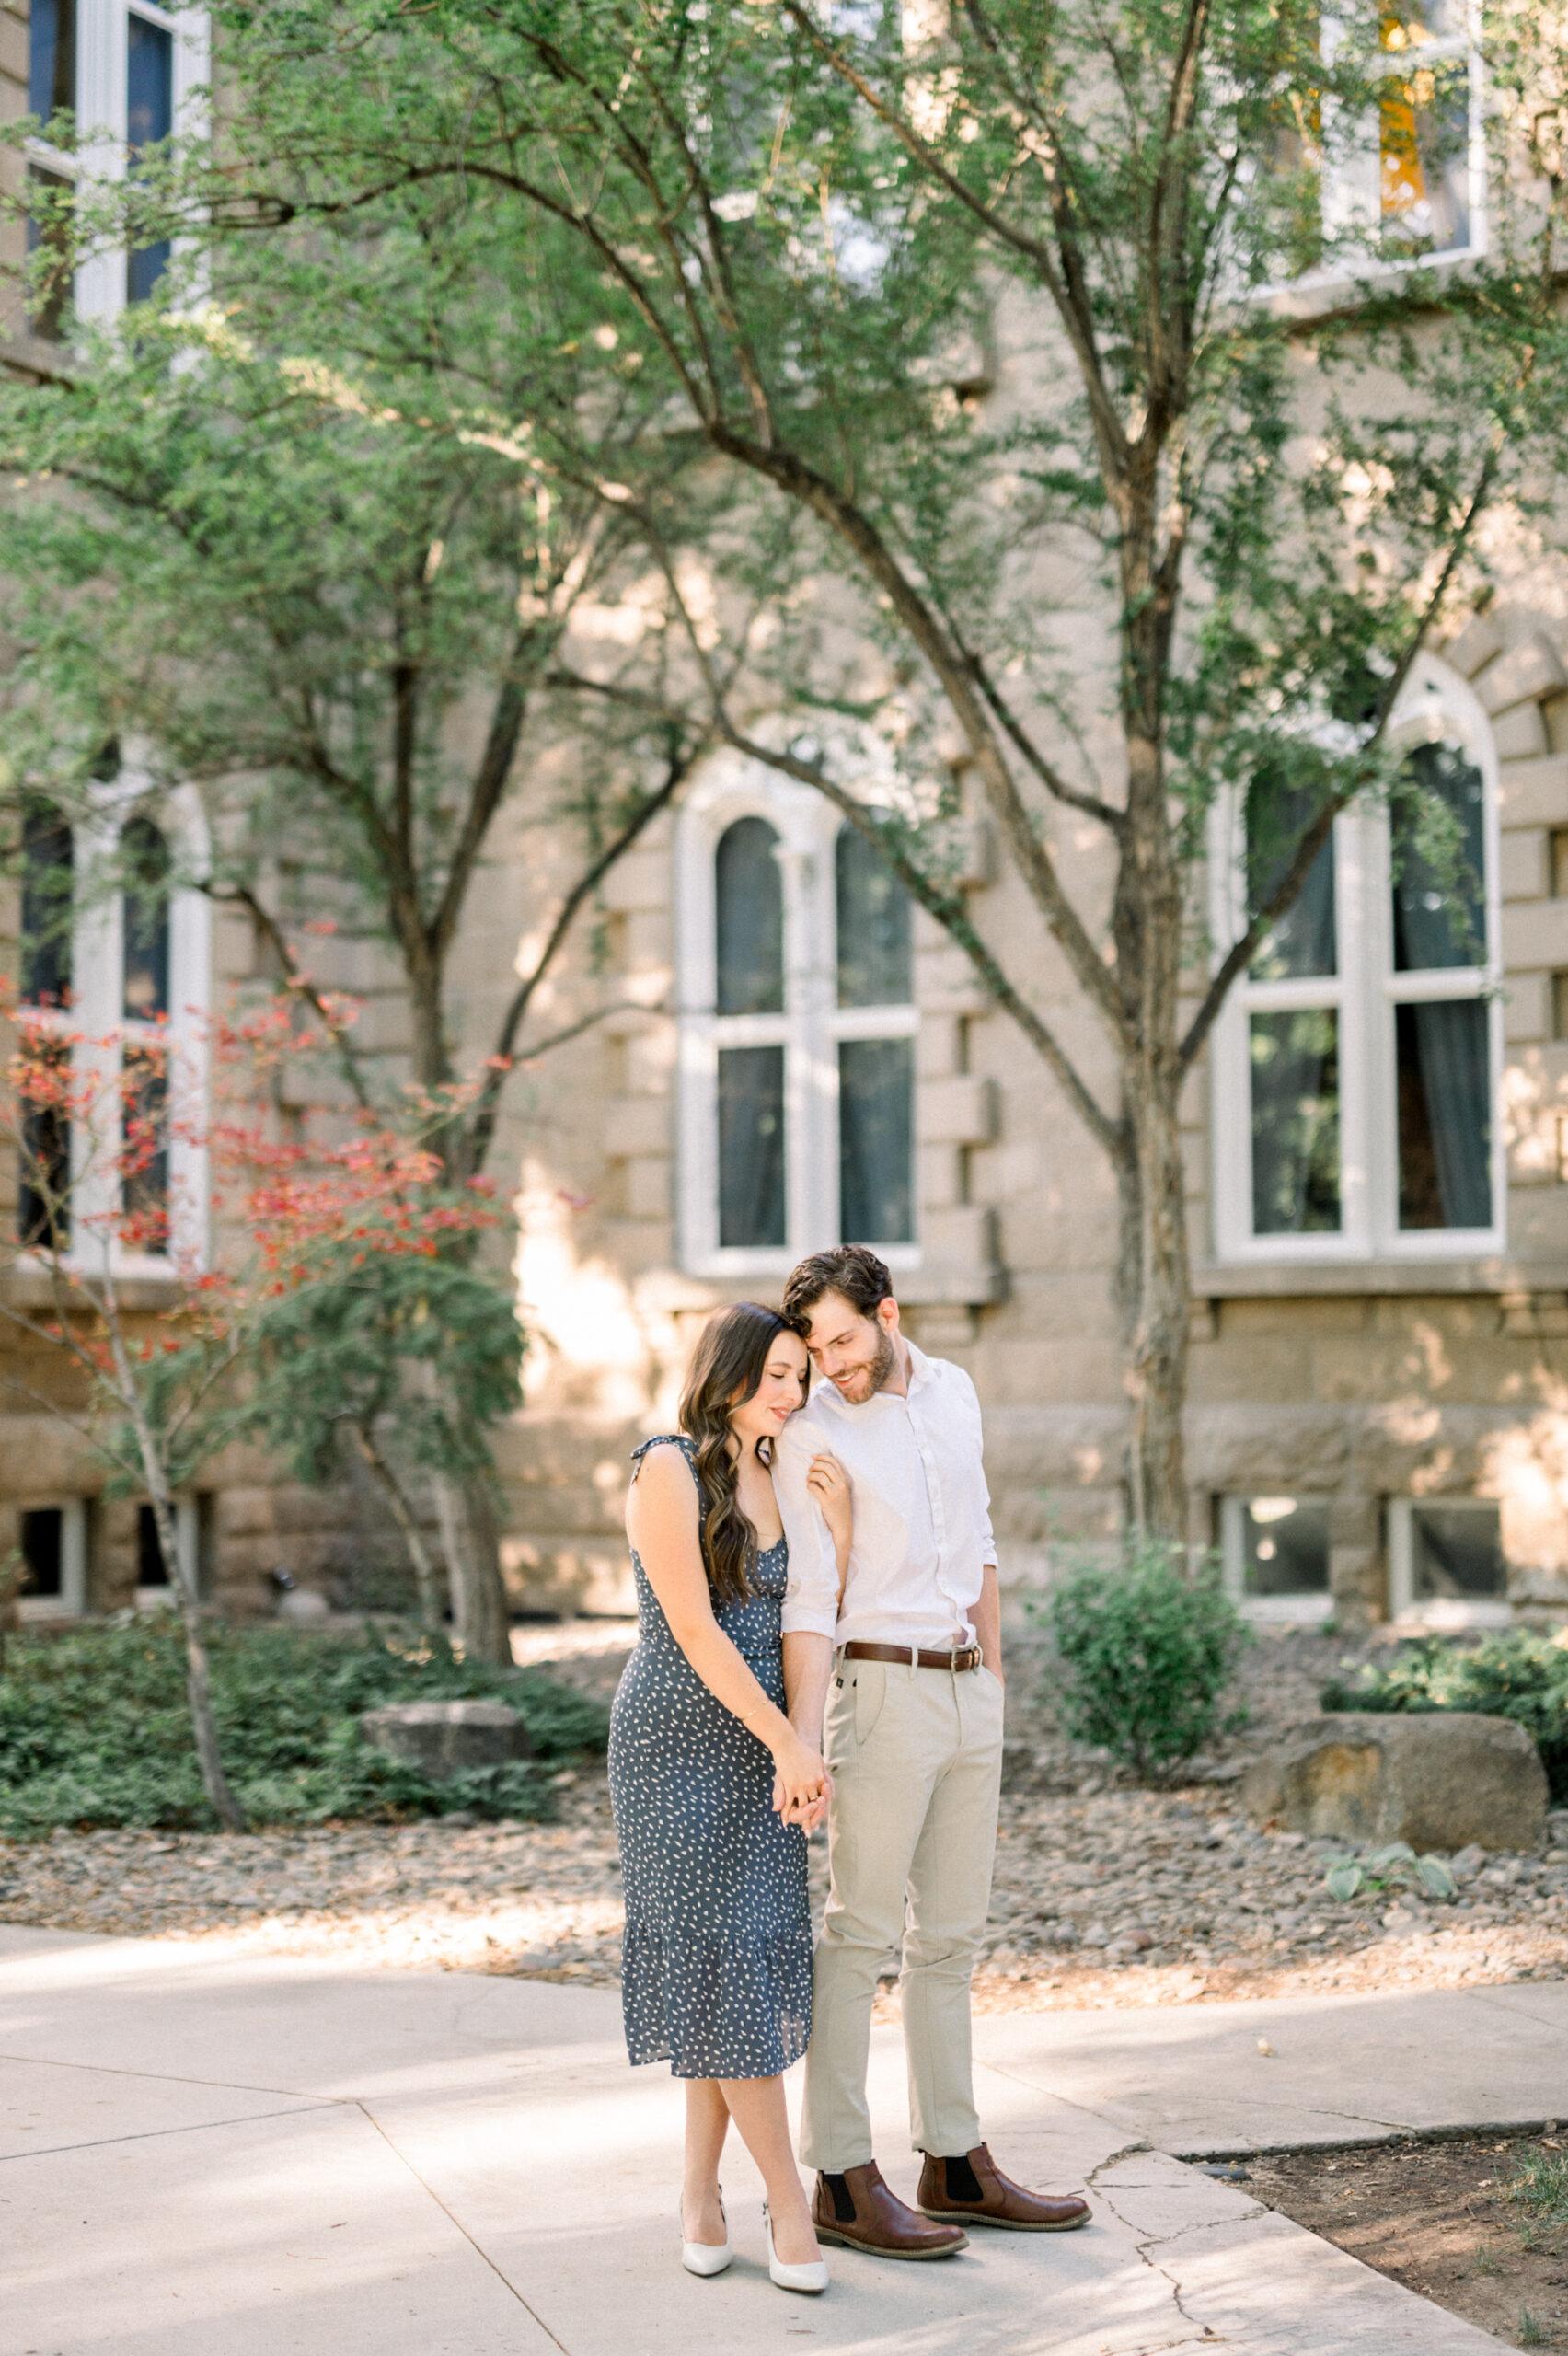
[
  {"x": 1521, "y": 1675},
  {"x": 1395, "y": 1867},
  {"x": 95, "y": 1729},
  {"x": 1144, "y": 1657},
  {"x": 340, "y": 1346}
]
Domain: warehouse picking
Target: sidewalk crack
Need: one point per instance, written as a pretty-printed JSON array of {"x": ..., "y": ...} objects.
[{"x": 1145, "y": 2245}]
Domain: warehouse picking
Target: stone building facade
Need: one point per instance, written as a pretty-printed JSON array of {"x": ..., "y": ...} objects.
[{"x": 1378, "y": 1143}]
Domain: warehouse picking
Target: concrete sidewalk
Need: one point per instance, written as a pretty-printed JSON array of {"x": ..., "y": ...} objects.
[{"x": 205, "y": 2152}]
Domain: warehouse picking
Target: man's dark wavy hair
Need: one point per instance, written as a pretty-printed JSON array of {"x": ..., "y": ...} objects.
[{"x": 851, "y": 1269}]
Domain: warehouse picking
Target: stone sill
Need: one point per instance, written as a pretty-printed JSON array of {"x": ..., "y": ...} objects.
[
  {"x": 31, "y": 1292},
  {"x": 950, "y": 1287},
  {"x": 32, "y": 355},
  {"x": 1275, "y": 1280}
]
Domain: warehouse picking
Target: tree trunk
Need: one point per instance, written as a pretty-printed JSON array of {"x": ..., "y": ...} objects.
[
  {"x": 482, "y": 1624},
  {"x": 198, "y": 1678},
  {"x": 198, "y": 1681},
  {"x": 1153, "y": 1273},
  {"x": 471, "y": 1544},
  {"x": 403, "y": 1514},
  {"x": 1152, "y": 1285}
]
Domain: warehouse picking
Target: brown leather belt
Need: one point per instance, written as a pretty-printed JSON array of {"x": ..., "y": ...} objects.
[{"x": 903, "y": 1654}]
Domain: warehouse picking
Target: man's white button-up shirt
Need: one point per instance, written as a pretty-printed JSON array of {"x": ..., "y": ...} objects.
[{"x": 922, "y": 1512}]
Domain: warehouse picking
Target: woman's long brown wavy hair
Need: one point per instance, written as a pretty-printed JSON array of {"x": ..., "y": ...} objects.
[{"x": 730, "y": 1358}]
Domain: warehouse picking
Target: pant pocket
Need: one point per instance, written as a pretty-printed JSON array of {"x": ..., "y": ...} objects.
[
  {"x": 838, "y": 1719},
  {"x": 870, "y": 1693}
]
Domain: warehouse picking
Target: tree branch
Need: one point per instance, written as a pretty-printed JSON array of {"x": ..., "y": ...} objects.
[
  {"x": 296, "y": 980},
  {"x": 481, "y": 1128}
]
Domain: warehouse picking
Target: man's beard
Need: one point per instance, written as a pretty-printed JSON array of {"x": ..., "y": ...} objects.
[{"x": 878, "y": 1370}]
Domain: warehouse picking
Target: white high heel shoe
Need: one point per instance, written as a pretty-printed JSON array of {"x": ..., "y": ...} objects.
[
  {"x": 706, "y": 2258},
  {"x": 811, "y": 2277}
]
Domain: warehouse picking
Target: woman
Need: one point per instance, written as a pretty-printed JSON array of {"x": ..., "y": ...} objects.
[{"x": 713, "y": 1790}]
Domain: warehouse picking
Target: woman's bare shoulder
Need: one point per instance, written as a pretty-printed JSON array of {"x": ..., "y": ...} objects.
[{"x": 664, "y": 1475}]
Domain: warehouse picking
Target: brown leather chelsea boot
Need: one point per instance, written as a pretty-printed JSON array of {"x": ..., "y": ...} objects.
[
  {"x": 975, "y": 2188},
  {"x": 856, "y": 2211}
]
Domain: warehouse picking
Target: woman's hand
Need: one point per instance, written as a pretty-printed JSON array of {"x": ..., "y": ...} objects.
[
  {"x": 829, "y": 1485},
  {"x": 800, "y": 1779}
]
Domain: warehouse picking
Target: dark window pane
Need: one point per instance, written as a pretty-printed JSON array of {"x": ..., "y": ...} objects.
[
  {"x": 49, "y": 252},
  {"x": 144, "y": 907},
  {"x": 1285, "y": 1546},
  {"x": 876, "y": 1138},
  {"x": 873, "y": 926},
  {"x": 51, "y": 58},
  {"x": 1295, "y": 1116},
  {"x": 1303, "y": 941},
  {"x": 48, "y": 862},
  {"x": 751, "y": 1146},
  {"x": 43, "y": 1191},
  {"x": 149, "y": 116},
  {"x": 1439, "y": 857},
  {"x": 750, "y": 920},
  {"x": 151, "y": 1568},
  {"x": 1455, "y": 1551},
  {"x": 1445, "y": 1091},
  {"x": 143, "y": 1160},
  {"x": 43, "y": 1550}
]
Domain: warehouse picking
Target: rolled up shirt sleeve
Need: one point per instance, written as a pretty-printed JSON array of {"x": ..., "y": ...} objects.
[{"x": 811, "y": 1600}]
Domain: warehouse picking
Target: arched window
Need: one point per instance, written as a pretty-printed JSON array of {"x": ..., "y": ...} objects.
[
  {"x": 798, "y": 1121},
  {"x": 1355, "y": 1064}
]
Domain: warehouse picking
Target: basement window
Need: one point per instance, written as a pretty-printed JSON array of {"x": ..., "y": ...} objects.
[
  {"x": 1275, "y": 1553},
  {"x": 53, "y": 1544},
  {"x": 1446, "y": 1562}
]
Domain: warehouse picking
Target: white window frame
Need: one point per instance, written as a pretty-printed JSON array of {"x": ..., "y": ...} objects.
[
  {"x": 102, "y": 50},
  {"x": 1352, "y": 180},
  {"x": 1434, "y": 704},
  {"x": 1443, "y": 1611},
  {"x": 71, "y": 1604},
  {"x": 1299, "y": 1611},
  {"x": 94, "y": 1017},
  {"x": 808, "y": 1030}
]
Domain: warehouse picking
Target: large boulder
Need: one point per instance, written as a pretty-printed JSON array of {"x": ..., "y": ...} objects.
[
  {"x": 441, "y": 1738},
  {"x": 1439, "y": 1779}
]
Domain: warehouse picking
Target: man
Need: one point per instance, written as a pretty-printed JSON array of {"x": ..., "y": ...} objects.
[{"x": 908, "y": 1666}]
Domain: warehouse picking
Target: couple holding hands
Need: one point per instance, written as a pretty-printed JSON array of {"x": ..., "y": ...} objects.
[{"x": 819, "y": 1635}]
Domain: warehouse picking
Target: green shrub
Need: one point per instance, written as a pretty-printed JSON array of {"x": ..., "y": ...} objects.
[
  {"x": 1143, "y": 1657},
  {"x": 1521, "y": 1675},
  {"x": 94, "y": 1728}
]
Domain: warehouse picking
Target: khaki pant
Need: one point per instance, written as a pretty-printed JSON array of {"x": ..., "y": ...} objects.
[{"x": 915, "y": 1756}]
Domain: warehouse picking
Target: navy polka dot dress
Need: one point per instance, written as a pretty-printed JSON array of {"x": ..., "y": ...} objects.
[{"x": 716, "y": 1970}]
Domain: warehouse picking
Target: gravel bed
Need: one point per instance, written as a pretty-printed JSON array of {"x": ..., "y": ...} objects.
[{"x": 1105, "y": 1894}]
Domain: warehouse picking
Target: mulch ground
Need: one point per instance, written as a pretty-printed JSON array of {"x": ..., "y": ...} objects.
[
  {"x": 1438, "y": 2218},
  {"x": 1105, "y": 1895}
]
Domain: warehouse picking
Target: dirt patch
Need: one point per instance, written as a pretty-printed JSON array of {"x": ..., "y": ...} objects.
[{"x": 1463, "y": 2223}]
